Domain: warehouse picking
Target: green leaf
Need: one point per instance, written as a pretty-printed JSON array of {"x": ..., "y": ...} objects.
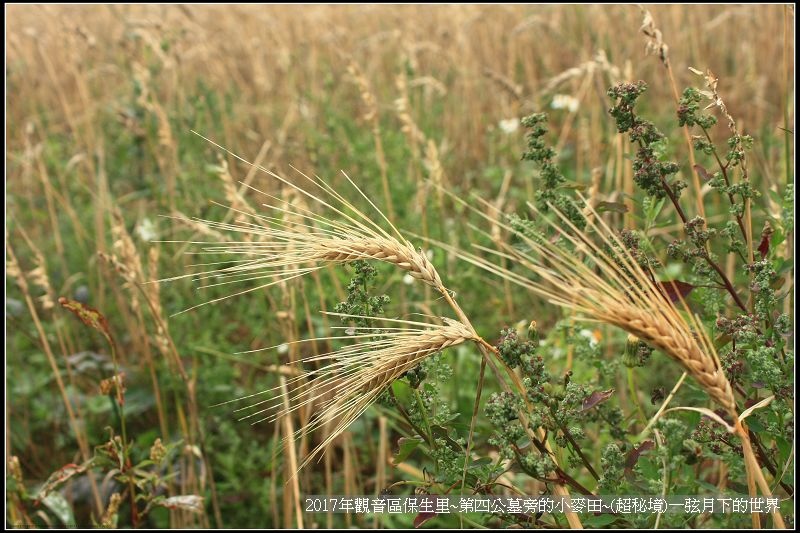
[
  {"x": 755, "y": 425},
  {"x": 59, "y": 506},
  {"x": 600, "y": 520},
  {"x": 649, "y": 469},
  {"x": 710, "y": 487},
  {"x": 573, "y": 185},
  {"x": 441, "y": 433},
  {"x": 784, "y": 447},
  {"x": 786, "y": 266},
  {"x": 653, "y": 210},
  {"x": 617, "y": 207},
  {"x": 407, "y": 447},
  {"x": 478, "y": 463}
]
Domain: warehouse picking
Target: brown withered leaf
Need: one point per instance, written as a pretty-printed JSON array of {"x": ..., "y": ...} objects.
[
  {"x": 634, "y": 454},
  {"x": 595, "y": 398},
  {"x": 702, "y": 172},
  {"x": 766, "y": 235},
  {"x": 60, "y": 476},
  {"x": 89, "y": 316},
  {"x": 676, "y": 289},
  {"x": 421, "y": 518}
]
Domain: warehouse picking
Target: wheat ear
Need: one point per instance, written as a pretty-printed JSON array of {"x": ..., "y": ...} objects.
[
  {"x": 354, "y": 376},
  {"x": 300, "y": 241}
]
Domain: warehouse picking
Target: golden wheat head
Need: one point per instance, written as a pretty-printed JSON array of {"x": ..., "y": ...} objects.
[
  {"x": 296, "y": 240},
  {"x": 352, "y": 377}
]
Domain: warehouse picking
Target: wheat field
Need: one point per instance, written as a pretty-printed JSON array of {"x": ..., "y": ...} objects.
[{"x": 247, "y": 155}]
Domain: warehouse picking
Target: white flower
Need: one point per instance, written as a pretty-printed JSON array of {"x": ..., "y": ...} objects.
[
  {"x": 283, "y": 348},
  {"x": 408, "y": 279},
  {"x": 565, "y": 101},
  {"x": 509, "y": 125},
  {"x": 146, "y": 230},
  {"x": 587, "y": 334}
]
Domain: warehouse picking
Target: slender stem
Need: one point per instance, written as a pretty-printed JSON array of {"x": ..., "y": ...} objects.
[
  {"x": 635, "y": 396},
  {"x": 706, "y": 255},
  {"x": 666, "y": 475},
  {"x": 724, "y": 170},
  {"x": 687, "y": 136},
  {"x": 578, "y": 450},
  {"x": 561, "y": 476},
  {"x": 486, "y": 349},
  {"x": 764, "y": 459},
  {"x": 120, "y": 399},
  {"x": 664, "y": 405},
  {"x": 754, "y": 470},
  {"x": 787, "y": 135},
  {"x": 726, "y": 282},
  {"x": 80, "y": 436},
  {"x": 475, "y": 408},
  {"x": 421, "y": 432},
  {"x": 424, "y": 415},
  {"x": 674, "y": 200}
]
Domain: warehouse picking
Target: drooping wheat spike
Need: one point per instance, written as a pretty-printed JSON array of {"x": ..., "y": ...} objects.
[
  {"x": 600, "y": 279},
  {"x": 354, "y": 376}
]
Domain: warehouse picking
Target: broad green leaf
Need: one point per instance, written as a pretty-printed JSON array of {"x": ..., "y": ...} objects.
[
  {"x": 60, "y": 507},
  {"x": 407, "y": 447}
]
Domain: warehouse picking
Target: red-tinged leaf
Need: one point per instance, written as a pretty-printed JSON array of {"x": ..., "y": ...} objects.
[
  {"x": 702, "y": 172},
  {"x": 60, "y": 476},
  {"x": 675, "y": 289},
  {"x": 595, "y": 398},
  {"x": 763, "y": 246},
  {"x": 421, "y": 518},
  {"x": 635, "y": 454},
  {"x": 766, "y": 236},
  {"x": 89, "y": 316}
]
